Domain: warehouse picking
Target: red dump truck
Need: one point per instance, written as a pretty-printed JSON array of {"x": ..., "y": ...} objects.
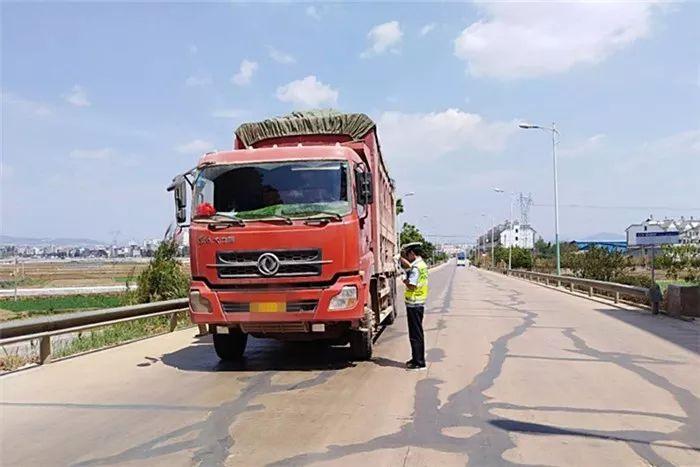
[{"x": 292, "y": 234}]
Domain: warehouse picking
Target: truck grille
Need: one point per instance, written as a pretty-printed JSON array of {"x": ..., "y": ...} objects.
[
  {"x": 242, "y": 264},
  {"x": 292, "y": 307},
  {"x": 273, "y": 328}
]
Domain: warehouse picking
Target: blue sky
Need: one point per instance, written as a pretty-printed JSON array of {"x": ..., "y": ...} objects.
[{"x": 103, "y": 103}]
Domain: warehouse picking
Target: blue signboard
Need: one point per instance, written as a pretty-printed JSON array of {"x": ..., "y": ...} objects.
[{"x": 657, "y": 238}]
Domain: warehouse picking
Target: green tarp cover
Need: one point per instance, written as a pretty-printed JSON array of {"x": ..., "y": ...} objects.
[{"x": 315, "y": 122}]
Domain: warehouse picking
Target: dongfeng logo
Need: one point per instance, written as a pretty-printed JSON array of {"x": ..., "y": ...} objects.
[{"x": 268, "y": 264}]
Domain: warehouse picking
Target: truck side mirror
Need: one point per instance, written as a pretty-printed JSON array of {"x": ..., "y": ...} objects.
[
  {"x": 365, "y": 194},
  {"x": 179, "y": 189}
]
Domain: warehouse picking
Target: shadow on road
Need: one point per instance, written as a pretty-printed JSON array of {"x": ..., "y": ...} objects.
[
  {"x": 682, "y": 333},
  {"x": 261, "y": 355},
  {"x": 641, "y": 437}
]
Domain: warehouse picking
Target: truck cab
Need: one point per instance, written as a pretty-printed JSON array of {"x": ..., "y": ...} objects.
[{"x": 291, "y": 238}]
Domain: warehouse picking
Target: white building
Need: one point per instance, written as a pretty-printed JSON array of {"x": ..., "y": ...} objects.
[
  {"x": 509, "y": 235},
  {"x": 518, "y": 235},
  {"x": 688, "y": 229}
]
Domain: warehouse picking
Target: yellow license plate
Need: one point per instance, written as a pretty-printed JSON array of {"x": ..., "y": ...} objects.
[{"x": 268, "y": 307}]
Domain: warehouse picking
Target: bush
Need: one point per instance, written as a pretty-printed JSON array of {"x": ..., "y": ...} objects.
[
  {"x": 163, "y": 278},
  {"x": 599, "y": 264},
  {"x": 637, "y": 281}
]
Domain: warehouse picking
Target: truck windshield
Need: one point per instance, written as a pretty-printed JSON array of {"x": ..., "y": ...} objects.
[{"x": 286, "y": 189}]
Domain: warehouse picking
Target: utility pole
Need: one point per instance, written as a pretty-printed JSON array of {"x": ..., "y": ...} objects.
[{"x": 555, "y": 134}]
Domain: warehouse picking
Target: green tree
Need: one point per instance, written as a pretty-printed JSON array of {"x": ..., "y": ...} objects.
[
  {"x": 399, "y": 206},
  {"x": 599, "y": 264},
  {"x": 410, "y": 234},
  {"x": 680, "y": 261},
  {"x": 163, "y": 278}
]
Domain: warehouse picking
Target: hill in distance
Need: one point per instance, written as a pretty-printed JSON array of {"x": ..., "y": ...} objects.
[{"x": 30, "y": 241}]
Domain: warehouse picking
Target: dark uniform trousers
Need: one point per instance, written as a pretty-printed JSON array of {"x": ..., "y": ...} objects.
[{"x": 415, "y": 333}]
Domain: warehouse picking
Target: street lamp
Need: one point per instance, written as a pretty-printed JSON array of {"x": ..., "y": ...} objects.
[
  {"x": 510, "y": 219},
  {"x": 555, "y": 135},
  {"x": 398, "y": 224}
]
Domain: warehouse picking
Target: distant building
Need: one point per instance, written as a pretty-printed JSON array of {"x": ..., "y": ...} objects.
[
  {"x": 606, "y": 245},
  {"x": 509, "y": 235},
  {"x": 688, "y": 229}
]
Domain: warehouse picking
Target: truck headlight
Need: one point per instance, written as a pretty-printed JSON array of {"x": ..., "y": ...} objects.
[
  {"x": 346, "y": 298},
  {"x": 198, "y": 303}
]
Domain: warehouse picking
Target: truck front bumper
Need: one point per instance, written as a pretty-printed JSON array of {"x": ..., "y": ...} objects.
[{"x": 284, "y": 305}]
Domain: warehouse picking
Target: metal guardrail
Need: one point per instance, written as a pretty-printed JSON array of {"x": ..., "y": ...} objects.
[
  {"x": 591, "y": 287},
  {"x": 45, "y": 327}
]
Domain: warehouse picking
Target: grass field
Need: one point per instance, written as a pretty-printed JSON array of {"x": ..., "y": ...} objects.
[
  {"x": 108, "y": 336},
  {"x": 34, "y": 306},
  {"x": 665, "y": 283}
]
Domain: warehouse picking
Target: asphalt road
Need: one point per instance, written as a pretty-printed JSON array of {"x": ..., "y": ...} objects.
[{"x": 518, "y": 374}]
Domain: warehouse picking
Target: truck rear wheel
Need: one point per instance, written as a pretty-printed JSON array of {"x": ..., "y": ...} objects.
[{"x": 230, "y": 347}]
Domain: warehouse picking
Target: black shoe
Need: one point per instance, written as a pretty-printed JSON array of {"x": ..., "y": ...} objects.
[
  {"x": 412, "y": 366},
  {"x": 409, "y": 362}
]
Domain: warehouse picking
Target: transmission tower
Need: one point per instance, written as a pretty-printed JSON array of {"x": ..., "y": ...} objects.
[{"x": 525, "y": 203}]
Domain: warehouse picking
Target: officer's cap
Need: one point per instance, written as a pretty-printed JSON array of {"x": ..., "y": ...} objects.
[{"x": 415, "y": 247}]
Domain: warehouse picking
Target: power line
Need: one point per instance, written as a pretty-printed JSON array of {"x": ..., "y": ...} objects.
[{"x": 646, "y": 208}]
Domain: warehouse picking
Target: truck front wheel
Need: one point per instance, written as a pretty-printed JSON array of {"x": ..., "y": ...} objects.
[
  {"x": 230, "y": 347},
  {"x": 361, "y": 344},
  {"x": 362, "y": 340}
]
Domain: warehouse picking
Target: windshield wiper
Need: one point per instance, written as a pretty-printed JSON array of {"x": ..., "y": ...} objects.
[
  {"x": 326, "y": 215},
  {"x": 270, "y": 217},
  {"x": 221, "y": 218}
]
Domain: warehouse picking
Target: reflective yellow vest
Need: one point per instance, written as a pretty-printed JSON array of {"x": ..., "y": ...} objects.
[{"x": 419, "y": 295}]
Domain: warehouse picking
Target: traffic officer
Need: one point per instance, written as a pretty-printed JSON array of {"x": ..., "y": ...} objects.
[{"x": 416, "y": 282}]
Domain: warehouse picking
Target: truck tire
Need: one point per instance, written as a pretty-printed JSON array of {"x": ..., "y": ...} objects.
[
  {"x": 362, "y": 340},
  {"x": 361, "y": 344},
  {"x": 230, "y": 347}
]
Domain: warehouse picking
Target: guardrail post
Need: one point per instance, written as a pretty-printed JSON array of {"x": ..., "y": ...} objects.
[
  {"x": 571, "y": 286},
  {"x": 558, "y": 283},
  {"x": 617, "y": 297},
  {"x": 173, "y": 322},
  {"x": 590, "y": 291},
  {"x": 45, "y": 350}
]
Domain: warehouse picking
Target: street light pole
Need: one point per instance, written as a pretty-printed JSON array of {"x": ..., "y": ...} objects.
[
  {"x": 398, "y": 224},
  {"x": 493, "y": 258},
  {"x": 510, "y": 220},
  {"x": 555, "y": 134}
]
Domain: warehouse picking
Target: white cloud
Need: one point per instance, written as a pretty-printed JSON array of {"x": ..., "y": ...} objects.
[
  {"x": 428, "y": 136},
  {"x": 77, "y": 97},
  {"x": 427, "y": 29},
  {"x": 681, "y": 146},
  {"x": 196, "y": 147},
  {"x": 313, "y": 12},
  {"x": 384, "y": 37},
  {"x": 6, "y": 171},
  {"x": 245, "y": 73},
  {"x": 308, "y": 92},
  {"x": 26, "y": 106},
  {"x": 198, "y": 80},
  {"x": 92, "y": 154},
  {"x": 590, "y": 147},
  {"x": 227, "y": 113},
  {"x": 518, "y": 40},
  {"x": 280, "y": 57}
]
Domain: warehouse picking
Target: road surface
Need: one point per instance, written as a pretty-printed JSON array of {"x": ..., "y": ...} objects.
[{"x": 518, "y": 374}]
